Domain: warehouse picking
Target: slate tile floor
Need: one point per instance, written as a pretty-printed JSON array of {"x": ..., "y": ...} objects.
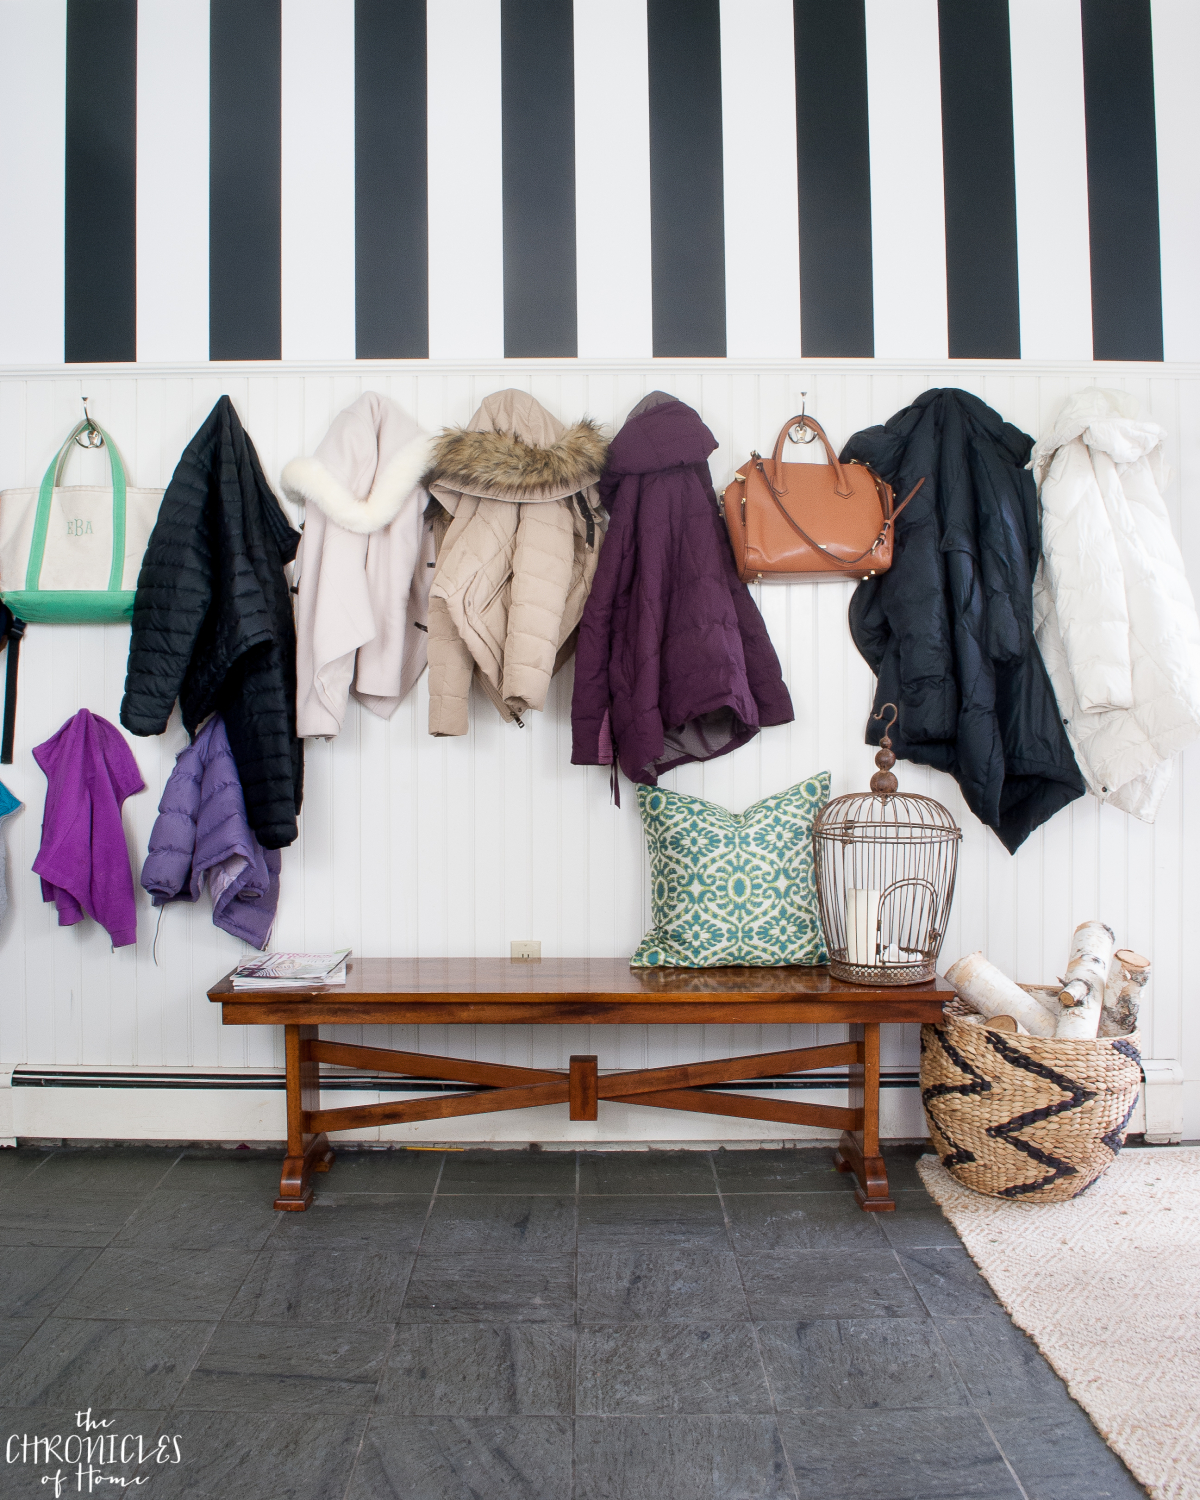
[{"x": 487, "y": 1325}]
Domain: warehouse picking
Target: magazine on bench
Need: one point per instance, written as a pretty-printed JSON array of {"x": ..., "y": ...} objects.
[{"x": 275, "y": 971}]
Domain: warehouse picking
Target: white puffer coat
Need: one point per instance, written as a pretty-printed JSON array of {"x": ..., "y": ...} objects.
[{"x": 1113, "y": 612}]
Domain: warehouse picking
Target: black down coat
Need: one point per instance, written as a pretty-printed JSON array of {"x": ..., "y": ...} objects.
[
  {"x": 948, "y": 630},
  {"x": 213, "y": 624}
]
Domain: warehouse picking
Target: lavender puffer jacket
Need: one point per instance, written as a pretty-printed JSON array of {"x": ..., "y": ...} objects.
[
  {"x": 674, "y": 662},
  {"x": 202, "y": 830}
]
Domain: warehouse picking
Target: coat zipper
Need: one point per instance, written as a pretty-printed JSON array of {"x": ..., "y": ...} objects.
[{"x": 589, "y": 520}]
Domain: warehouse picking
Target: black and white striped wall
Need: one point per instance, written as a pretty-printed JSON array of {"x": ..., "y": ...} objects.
[{"x": 185, "y": 180}]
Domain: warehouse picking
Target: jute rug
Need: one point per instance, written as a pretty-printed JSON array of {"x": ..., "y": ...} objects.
[{"x": 1108, "y": 1287}]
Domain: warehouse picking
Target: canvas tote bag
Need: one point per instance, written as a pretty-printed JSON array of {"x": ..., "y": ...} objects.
[{"x": 71, "y": 555}]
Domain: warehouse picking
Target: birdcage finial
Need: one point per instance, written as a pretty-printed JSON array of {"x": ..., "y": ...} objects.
[{"x": 883, "y": 783}]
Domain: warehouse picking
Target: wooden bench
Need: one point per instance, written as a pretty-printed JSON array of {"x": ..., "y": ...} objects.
[{"x": 572, "y": 992}]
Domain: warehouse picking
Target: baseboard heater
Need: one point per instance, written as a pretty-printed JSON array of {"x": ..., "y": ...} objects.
[{"x": 29, "y": 1077}]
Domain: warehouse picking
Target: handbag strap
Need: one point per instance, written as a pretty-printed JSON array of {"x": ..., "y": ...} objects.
[
  {"x": 843, "y": 487},
  {"x": 16, "y": 629},
  {"x": 41, "y": 524},
  {"x": 842, "y": 562}
]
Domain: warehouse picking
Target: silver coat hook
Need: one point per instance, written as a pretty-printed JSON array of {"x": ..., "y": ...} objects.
[
  {"x": 799, "y": 433},
  {"x": 91, "y": 437}
]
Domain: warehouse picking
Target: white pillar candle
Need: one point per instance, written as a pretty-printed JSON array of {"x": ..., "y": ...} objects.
[{"x": 862, "y": 922}]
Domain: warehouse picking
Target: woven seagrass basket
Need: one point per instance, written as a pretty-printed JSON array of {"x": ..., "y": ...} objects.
[{"x": 1023, "y": 1116}]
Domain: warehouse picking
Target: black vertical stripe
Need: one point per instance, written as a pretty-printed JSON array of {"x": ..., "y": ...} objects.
[
  {"x": 1122, "y": 168},
  {"x": 391, "y": 181},
  {"x": 687, "y": 177},
  {"x": 979, "y": 169},
  {"x": 100, "y": 246},
  {"x": 834, "y": 155},
  {"x": 244, "y": 180},
  {"x": 537, "y": 67}
]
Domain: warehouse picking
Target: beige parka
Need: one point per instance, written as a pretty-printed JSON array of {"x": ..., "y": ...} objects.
[{"x": 521, "y": 538}]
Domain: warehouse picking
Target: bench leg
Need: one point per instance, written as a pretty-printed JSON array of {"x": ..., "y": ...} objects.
[
  {"x": 858, "y": 1150},
  {"x": 583, "y": 1084},
  {"x": 306, "y": 1153}
]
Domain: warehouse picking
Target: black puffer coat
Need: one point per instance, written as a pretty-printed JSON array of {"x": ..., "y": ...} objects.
[
  {"x": 949, "y": 629},
  {"x": 212, "y": 620}
]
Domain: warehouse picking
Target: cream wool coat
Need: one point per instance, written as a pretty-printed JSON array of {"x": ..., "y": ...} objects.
[
  {"x": 364, "y": 566},
  {"x": 518, "y": 556},
  {"x": 1113, "y": 612}
]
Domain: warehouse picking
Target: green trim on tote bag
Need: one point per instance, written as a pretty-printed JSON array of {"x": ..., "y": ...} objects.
[
  {"x": 41, "y": 525},
  {"x": 71, "y": 606}
]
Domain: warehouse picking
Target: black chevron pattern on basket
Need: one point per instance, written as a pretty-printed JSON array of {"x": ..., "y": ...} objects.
[
  {"x": 1008, "y": 1131},
  {"x": 1115, "y": 1137},
  {"x": 979, "y": 1085}
]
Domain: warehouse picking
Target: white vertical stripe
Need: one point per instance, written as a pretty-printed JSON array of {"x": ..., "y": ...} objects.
[
  {"x": 1053, "y": 253},
  {"x": 317, "y": 179},
  {"x": 33, "y": 90},
  {"x": 908, "y": 205},
  {"x": 612, "y": 180},
  {"x": 1176, "y": 27},
  {"x": 172, "y": 180},
  {"x": 466, "y": 227},
  {"x": 762, "y": 224}
]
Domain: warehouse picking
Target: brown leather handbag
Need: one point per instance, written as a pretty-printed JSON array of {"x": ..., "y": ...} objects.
[{"x": 796, "y": 523}]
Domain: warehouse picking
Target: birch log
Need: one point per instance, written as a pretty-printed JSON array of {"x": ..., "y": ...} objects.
[
  {"x": 1082, "y": 994},
  {"x": 993, "y": 993},
  {"x": 1046, "y": 996},
  {"x": 995, "y": 1023},
  {"x": 1124, "y": 992},
  {"x": 1007, "y": 1023}
]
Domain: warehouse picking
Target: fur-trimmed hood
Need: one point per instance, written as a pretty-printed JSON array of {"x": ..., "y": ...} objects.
[
  {"x": 514, "y": 449},
  {"x": 366, "y": 466}
]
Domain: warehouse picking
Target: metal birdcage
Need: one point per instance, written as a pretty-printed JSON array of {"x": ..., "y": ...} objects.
[{"x": 886, "y": 864}]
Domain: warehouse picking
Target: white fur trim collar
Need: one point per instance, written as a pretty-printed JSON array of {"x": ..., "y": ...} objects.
[{"x": 309, "y": 480}]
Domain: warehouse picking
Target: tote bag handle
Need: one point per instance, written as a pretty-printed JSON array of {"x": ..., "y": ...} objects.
[{"x": 41, "y": 524}]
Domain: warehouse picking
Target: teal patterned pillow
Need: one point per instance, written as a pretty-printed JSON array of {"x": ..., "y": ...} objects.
[{"x": 729, "y": 888}]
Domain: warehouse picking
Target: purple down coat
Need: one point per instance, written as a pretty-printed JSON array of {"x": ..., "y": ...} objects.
[
  {"x": 674, "y": 662},
  {"x": 202, "y": 830}
]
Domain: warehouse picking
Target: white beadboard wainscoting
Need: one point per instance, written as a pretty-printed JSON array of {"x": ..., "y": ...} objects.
[{"x": 416, "y": 846}]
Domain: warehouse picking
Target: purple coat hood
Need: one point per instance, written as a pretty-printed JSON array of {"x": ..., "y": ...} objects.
[
  {"x": 674, "y": 662},
  {"x": 202, "y": 830}
]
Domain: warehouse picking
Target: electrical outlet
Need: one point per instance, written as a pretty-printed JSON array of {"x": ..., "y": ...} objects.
[{"x": 527, "y": 948}]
